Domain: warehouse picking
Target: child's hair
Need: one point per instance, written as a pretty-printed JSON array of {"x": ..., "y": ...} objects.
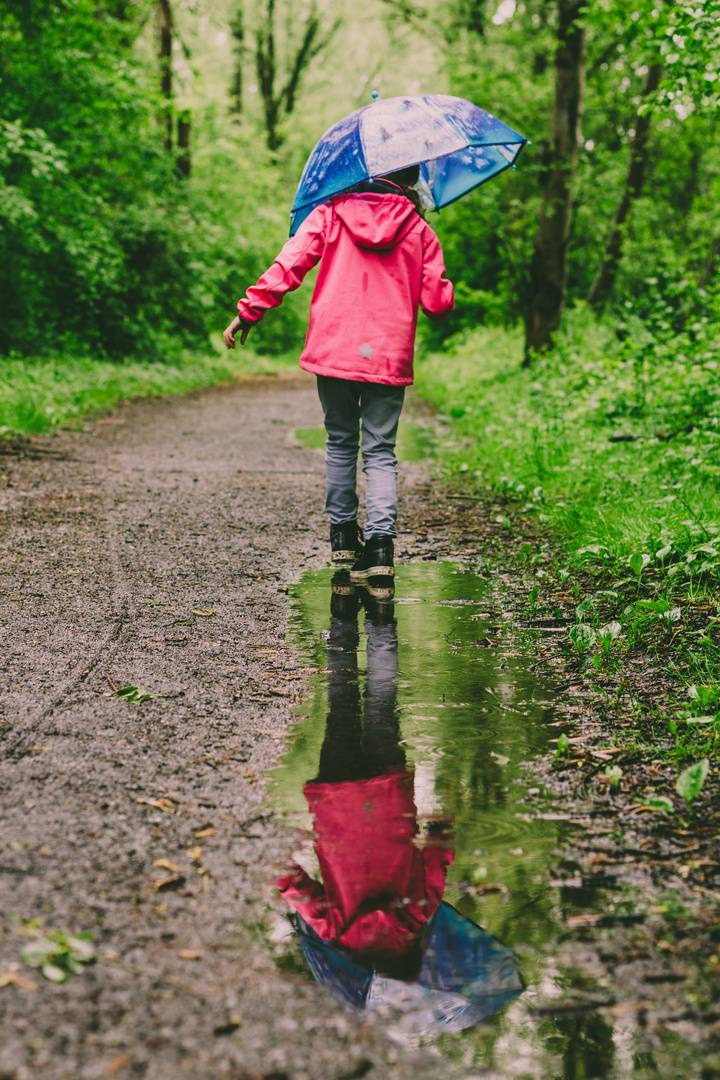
[{"x": 402, "y": 178}]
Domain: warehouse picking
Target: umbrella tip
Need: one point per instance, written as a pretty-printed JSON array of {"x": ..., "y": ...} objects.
[{"x": 375, "y": 95}]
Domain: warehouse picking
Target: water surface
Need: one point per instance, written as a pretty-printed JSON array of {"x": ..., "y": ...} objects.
[{"x": 407, "y": 771}]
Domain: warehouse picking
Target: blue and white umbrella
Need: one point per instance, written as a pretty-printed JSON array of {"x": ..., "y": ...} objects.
[
  {"x": 456, "y": 145},
  {"x": 465, "y": 976}
]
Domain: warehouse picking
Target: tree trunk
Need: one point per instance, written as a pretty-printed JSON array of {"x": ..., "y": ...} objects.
[
  {"x": 548, "y": 269},
  {"x": 183, "y": 142},
  {"x": 607, "y": 271},
  {"x": 165, "y": 28},
  {"x": 265, "y": 61},
  {"x": 237, "y": 29}
]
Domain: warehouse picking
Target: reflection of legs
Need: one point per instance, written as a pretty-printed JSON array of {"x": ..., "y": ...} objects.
[
  {"x": 341, "y": 750},
  {"x": 381, "y": 726},
  {"x": 340, "y": 400},
  {"x": 380, "y": 406}
]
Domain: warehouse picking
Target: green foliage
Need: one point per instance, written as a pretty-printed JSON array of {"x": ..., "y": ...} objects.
[
  {"x": 661, "y": 803},
  {"x": 615, "y": 443},
  {"x": 691, "y": 781},
  {"x": 691, "y": 51},
  {"x": 57, "y": 954},
  {"x": 582, "y": 637},
  {"x": 614, "y": 774},
  {"x": 134, "y": 695},
  {"x": 40, "y": 394}
]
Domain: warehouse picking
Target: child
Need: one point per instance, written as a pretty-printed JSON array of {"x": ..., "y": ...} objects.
[{"x": 379, "y": 262}]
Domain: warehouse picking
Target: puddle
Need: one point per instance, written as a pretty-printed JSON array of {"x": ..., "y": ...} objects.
[{"x": 423, "y": 889}]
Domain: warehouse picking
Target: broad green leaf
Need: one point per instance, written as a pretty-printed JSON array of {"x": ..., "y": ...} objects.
[
  {"x": 659, "y": 802},
  {"x": 637, "y": 562},
  {"x": 582, "y": 609},
  {"x": 38, "y": 952},
  {"x": 582, "y": 637},
  {"x": 54, "y": 973},
  {"x": 691, "y": 781},
  {"x": 614, "y": 774}
]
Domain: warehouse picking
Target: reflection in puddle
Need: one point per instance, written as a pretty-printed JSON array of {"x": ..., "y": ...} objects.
[
  {"x": 374, "y": 928},
  {"x": 423, "y": 887}
]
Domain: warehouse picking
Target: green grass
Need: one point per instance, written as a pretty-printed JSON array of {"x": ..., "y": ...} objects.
[
  {"x": 611, "y": 443},
  {"x": 37, "y": 395},
  {"x": 546, "y": 437}
]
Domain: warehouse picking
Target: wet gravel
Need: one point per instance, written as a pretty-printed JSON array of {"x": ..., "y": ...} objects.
[{"x": 152, "y": 550}]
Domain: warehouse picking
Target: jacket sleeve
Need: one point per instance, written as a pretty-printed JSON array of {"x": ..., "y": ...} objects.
[
  {"x": 304, "y": 894},
  {"x": 437, "y": 299},
  {"x": 297, "y": 257}
]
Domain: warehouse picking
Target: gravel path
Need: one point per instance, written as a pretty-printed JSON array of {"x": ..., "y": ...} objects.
[{"x": 151, "y": 550}]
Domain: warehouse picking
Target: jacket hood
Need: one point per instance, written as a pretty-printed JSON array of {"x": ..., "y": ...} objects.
[{"x": 376, "y": 222}]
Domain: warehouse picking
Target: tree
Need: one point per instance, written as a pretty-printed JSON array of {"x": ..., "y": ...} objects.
[
  {"x": 280, "y": 103},
  {"x": 237, "y": 29},
  {"x": 607, "y": 270},
  {"x": 165, "y": 36},
  {"x": 548, "y": 268}
]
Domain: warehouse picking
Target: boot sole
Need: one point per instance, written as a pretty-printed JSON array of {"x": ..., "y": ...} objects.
[{"x": 361, "y": 576}]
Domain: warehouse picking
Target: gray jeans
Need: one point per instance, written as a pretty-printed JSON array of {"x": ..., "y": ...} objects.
[{"x": 346, "y": 404}]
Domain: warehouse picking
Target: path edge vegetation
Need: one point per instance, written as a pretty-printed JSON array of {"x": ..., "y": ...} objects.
[{"x": 598, "y": 464}]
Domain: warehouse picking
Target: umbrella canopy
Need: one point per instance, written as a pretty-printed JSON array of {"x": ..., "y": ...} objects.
[
  {"x": 456, "y": 145},
  {"x": 466, "y": 975}
]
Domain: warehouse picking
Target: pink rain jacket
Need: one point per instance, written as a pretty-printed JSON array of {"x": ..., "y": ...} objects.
[
  {"x": 378, "y": 887},
  {"x": 379, "y": 262}
]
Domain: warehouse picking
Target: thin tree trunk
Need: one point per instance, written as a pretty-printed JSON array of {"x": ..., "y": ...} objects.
[
  {"x": 183, "y": 142},
  {"x": 165, "y": 28},
  {"x": 265, "y": 60},
  {"x": 237, "y": 29},
  {"x": 607, "y": 271},
  {"x": 548, "y": 269}
]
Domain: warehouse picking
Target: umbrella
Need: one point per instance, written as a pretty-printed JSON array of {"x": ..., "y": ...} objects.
[
  {"x": 466, "y": 975},
  {"x": 457, "y": 146}
]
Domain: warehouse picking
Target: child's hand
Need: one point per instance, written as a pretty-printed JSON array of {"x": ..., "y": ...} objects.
[{"x": 229, "y": 334}]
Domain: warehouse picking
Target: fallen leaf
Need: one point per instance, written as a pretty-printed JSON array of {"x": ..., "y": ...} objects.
[
  {"x": 205, "y": 614},
  {"x": 168, "y": 883},
  {"x": 202, "y": 833},
  {"x": 12, "y": 978},
  {"x": 160, "y": 804},
  {"x": 191, "y": 954},
  {"x": 582, "y": 920},
  {"x": 232, "y": 1024},
  {"x": 118, "y": 1063},
  {"x": 165, "y": 864}
]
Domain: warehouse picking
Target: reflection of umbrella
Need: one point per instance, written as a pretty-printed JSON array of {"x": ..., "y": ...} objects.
[
  {"x": 465, "y": 976},
  {"x": 456, "y": 144}
]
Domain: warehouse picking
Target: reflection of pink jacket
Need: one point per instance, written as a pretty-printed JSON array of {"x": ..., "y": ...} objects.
[
  {"x": 379, "y": 262},
  {"x": 378, "y": 886}
]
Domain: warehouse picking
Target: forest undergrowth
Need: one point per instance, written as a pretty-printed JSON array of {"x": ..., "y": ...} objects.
[
  {"x": 602, "y": 461},
  {"x": 39, "y": 394}
]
